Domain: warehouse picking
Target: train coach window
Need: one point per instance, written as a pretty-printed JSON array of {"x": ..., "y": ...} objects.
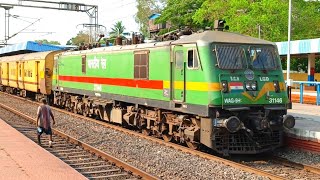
[
  {"x": 141, "y": 65},
  {"x": 193, "y": 62}
]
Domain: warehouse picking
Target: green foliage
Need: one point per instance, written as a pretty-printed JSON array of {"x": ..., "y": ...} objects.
[
  {"x": 180, "y": 13},
  {"x": 81, "y": 38},
  {"x": 45, "y": 41},
  {"x": 317, "y": 66},
  {"x": 301, "y": 65},
  {"x": 246, "y": 16},
  {"x": 145, "y": 9},
  {"x": 117, "y": 30},
  {"x": 306, "y": 19}
]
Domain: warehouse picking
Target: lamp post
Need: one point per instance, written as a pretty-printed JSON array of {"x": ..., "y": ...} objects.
[{"x": 289, "y": 36}]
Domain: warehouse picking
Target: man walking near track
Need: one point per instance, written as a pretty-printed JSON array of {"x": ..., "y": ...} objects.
[{"x": 43, "y": 121}]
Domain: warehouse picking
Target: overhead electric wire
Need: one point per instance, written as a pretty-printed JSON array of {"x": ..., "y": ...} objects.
[{"x": 119, "y": 6}]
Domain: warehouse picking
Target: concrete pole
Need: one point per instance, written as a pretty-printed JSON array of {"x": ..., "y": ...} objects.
[{"x": 289, "y": 37}]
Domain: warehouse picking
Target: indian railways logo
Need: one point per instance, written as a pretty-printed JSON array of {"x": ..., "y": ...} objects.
[{"x": 249, "y": 74}]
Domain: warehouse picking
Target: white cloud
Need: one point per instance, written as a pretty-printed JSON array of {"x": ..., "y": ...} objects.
[{"x": 63, "y": 25}]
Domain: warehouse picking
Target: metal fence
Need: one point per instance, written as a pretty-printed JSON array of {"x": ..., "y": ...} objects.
[{"x": 309, "y": 83}]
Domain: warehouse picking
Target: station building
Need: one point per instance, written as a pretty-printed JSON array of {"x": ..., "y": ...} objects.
[{"x": 308, "y": 48}]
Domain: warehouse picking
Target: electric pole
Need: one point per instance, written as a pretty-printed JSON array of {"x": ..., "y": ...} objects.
[{"x": 91, "y": 10}]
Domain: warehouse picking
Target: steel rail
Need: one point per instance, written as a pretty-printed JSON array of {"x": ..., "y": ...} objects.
[
  {"x": 289, "y": 163},
  {"x": 169, "y": 144},
  {"x": 105, "y": 156}
]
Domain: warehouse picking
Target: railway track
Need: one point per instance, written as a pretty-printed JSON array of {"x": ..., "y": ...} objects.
[
  {"x": 295, "y": 165},
  {"x": 89, "y": 161},
  {"x": 248, "y": 167},
  {"x": 282, "y": 167}
]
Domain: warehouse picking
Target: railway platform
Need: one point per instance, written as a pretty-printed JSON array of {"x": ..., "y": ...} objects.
[
  {"x": 21, "y": 158},
  {"x": 306, "y": 133},
  {"x": 307, "y": 121}
]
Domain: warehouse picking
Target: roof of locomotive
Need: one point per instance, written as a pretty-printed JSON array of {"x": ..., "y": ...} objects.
[
  {"x": 28, "y": 56},
  {"x": 220, "y": 37},
  {"x": 199, "y": 38}
]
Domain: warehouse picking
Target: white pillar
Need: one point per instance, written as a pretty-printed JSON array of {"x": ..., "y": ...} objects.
[{"x": 311, "y": 66}]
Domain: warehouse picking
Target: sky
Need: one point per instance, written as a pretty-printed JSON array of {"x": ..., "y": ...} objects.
[{"x": 59, "y": 25}]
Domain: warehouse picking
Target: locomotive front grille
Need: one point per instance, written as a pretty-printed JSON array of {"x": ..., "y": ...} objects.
[{"x": 242, "y": 143}]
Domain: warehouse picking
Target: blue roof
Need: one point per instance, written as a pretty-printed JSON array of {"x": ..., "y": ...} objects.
[
  {"x": 154, "y": 16},
  {"x": 28, "y": 46},
  {"x": 299, "y": 47}
]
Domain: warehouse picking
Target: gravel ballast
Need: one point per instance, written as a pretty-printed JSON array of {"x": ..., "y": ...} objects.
[{"x": 162, "y": 161}]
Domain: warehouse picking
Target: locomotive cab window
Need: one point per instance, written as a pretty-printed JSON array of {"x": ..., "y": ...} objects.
[
  {"x": 193, "y": 60},
  {"x": 141, "y": 65},
  {"x": 230, "y": 56},
  {"x": 263, "y": 58}
]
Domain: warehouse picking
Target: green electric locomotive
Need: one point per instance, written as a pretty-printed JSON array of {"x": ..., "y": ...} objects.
[{"x": 218, "y": 89}]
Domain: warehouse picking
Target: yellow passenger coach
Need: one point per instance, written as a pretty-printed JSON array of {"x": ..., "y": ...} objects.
[{"x": 27, "y": 73}]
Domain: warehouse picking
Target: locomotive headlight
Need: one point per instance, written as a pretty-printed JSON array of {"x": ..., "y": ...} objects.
[
  {"x": 224, "y": 85},
  {"x": 248, "y": 86},
  {"x": 251, "y": 85},
  {"x": 254, "y": 86},
  {"x": 276, "y": 86}
]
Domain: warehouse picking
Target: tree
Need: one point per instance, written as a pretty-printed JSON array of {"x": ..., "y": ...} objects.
[
  {"x": 45, "y": 41},
  {"x": 117, "y": 30},
  {"x": 81, "y": 38},
  {"x": 180, "y": 13},
  {"x": 145, "y": 9},
  {"x": 244, "y": 16},
  {"x": 306, "y": 19}
]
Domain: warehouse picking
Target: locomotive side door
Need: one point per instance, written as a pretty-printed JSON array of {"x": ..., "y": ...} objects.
[{"x": 178, "y": 74}]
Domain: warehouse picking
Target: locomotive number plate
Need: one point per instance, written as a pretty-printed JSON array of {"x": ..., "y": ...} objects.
[{"x": 275, "y": 100}]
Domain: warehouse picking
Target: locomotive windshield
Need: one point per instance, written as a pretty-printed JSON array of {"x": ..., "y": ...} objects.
[
  {"x": 230, "y": 57},
  {"x": 263, "y": 58},
  {"x": 242, "y": 56}
]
